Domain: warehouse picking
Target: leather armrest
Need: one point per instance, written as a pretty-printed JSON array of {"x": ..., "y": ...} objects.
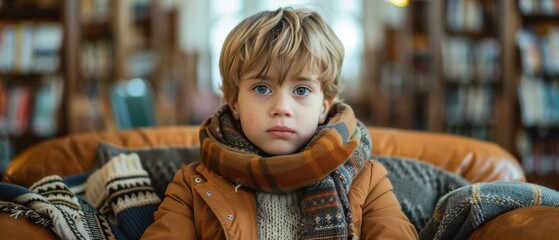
[
  {"x": 22, "y": 228},
  {"x": 524, "y": 223}
]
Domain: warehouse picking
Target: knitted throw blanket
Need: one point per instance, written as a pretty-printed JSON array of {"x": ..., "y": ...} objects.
[
  {"x": 463, "y": 210},
  {"x": 114, "y": 202},
  {"x": 322, "y": 172}
]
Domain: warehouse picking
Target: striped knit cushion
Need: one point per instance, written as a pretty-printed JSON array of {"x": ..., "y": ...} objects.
[{"x": 161, "y": 163}]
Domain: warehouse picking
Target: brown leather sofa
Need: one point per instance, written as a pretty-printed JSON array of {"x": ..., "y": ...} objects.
[{"x": 476, "y": 161}]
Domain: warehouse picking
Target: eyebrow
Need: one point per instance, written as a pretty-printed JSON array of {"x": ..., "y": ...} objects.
[
  {"x": 266, "y": 78},
  {"x": 307, "y": 79},
  {"x": 258, "y": 79}
]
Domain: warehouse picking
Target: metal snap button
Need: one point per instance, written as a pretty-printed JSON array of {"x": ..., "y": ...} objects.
[
  {"x": 198, "y": 180},
  {"x": 230, "y": 217},
  {"x": 209, "y": 193}
]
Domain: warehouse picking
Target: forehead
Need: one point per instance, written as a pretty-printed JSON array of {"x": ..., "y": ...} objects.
[{"x": 282, "y": 68}]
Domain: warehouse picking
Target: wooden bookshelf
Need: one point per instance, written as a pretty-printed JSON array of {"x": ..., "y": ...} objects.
[
  {"x": 536, "y": 126},
  {"x": 96, "y": 50},
  {"x": 95, "y": 34},
  {"x": 119, "y": 41},
  {"x": 33, "y": 71},
  {"x": 436, "y": 83},
  {"x": 403, "y": 79}
]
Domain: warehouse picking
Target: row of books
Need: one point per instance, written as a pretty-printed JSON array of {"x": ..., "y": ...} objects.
[
  {"x": 469, "y": 105},
  {"x": 465, "y": 15},
  {"x": 539, "y": 101},
  {"x": 538, "y": 7},
  {"x": 97, "y": 59},
  {"x": 33, "y": 109},
  {"x": 29, "y": 47},
  {"x": 95, "y": 11},
  {"x": 539, "y": 53},
  {"x": 540, "y": 154},
  {"x": 466, "y": 60}
]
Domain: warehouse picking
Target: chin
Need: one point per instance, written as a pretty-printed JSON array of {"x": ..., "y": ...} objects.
[{"x": 279, "y": 151}]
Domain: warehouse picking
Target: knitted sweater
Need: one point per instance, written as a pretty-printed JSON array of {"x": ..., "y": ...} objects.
[{"x": 277, "y": 215}]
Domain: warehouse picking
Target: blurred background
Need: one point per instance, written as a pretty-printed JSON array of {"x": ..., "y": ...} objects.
[{"x": 484, "y": 69}]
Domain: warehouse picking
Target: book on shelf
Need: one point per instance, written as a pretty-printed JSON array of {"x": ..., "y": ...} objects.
[
  {"x": 7, "y": 48},
  {"x": 538, "y": 7},
  {"x": 470, "y": 106},
  {"x": 531, "y": 99},
  {"x": 48, "y": 39},
  {"x": 465, "y": 16},
  {"x": 539, "y": 52},
  {"x": 17, "y": 112},
  {"x": 550, "y": 49},
  {"x": 28, "y": 47},
  {"x": 24, "y": 39},
  {"x": 96, "y": 60},
  {"x": 27, "y": 109},
  {"x": 466, "y": 60},
  {"x": 479, "y": 105},
  {"x": 456, "y": 106},
  {"x": 488, "y": 60},
  {"x": 47, "y": 103},
  {"x": 95, "y": 11},
  {"x": 530, "y": 52},
  {"x": 539, "y": 102},
  {"x": 457, "y": 60}
]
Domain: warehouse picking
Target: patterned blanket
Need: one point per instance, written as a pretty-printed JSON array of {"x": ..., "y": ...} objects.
[
  {"x": 116, "y": 201},
  {"x": 463, "y": 210}
]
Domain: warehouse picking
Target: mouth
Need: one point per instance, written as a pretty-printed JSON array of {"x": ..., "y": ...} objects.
[{"x": 281, "y": 132}]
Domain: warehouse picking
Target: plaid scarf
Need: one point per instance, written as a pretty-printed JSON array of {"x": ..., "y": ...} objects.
[{"x": 321, "y": 172}]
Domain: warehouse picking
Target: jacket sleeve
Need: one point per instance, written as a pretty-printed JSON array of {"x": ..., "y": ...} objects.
[
  {"x": 382, "y": 216},
  {"x": 174, "y": 218}
]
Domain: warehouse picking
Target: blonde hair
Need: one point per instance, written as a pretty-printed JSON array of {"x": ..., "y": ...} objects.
[{"x": 289, "y": 36}]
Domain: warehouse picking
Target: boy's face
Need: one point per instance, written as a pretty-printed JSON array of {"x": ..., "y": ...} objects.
[{"x": 280, "y": 119}]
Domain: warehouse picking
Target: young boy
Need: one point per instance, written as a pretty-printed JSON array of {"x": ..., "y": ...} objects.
[{"x": 283, "y": 159}]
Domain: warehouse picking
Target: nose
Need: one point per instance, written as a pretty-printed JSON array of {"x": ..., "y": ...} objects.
[{"x": 281, "y": 106}]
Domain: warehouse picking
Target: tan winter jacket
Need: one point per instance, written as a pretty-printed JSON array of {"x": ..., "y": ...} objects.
[{"x": 199, "y": 204}]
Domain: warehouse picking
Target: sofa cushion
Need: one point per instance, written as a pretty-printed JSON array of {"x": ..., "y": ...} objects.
[
  {"x": 161, "y": 163},
  {"x": 418, "y": 186}
]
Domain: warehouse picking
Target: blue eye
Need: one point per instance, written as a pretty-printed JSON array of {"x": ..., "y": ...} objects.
[
  {"x": 262, "y": 89},
  {"x": 302, "y": 91}
]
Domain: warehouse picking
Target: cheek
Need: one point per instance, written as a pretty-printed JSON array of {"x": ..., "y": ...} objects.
[{"x": 248, "y": 118}]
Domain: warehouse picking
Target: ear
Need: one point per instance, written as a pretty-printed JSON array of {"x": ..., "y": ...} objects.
[
  {"x": 234, "y": 108},
  {"x": 325, "y": 109}
]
